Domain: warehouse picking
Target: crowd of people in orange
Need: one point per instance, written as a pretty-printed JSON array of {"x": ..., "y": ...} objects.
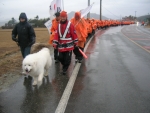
[
  {"x": 90, "y": 24},
  {"x": 97, "y": 24},
  {"x": 71, "y": 35}
]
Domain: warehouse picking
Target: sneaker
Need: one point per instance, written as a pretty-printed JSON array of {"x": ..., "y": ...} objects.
[{"x": 62, "y": 73}]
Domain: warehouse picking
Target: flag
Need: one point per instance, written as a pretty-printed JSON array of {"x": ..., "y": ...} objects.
[
  {"x": 55, "y": 6},
  {"x": 52, "y": 9},
  {"x": 58, "y": 6},
  {"x": 85, "y": 11}
]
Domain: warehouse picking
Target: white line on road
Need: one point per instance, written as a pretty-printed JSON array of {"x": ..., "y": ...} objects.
[{"x": 66, "y": 94}]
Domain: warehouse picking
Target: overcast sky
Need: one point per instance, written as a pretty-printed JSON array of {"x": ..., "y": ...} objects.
[{"x": 110, "y": 8}]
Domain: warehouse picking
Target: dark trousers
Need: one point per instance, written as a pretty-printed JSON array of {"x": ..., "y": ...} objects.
[
  {"x": 25, "y": 51},
  {"x": 55, "y": 54},
  {"x": 65, "y": 59},
  {"x": 77, "y": 53}
]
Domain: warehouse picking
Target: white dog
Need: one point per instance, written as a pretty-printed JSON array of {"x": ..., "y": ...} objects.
[{"x": 37, "y": 64}]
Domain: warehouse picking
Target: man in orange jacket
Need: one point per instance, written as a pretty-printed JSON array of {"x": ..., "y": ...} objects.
[
  {"x": 81, "y": 31},
  {"x": 54, "y": 27}
]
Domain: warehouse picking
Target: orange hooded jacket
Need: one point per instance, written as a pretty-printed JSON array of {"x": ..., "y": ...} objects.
[
  {"x": 94, "y": 25},
  {"x": 81, "y": 29},
  {"x": 89, "y": 25},
  {"x": 53, "y": 28}
]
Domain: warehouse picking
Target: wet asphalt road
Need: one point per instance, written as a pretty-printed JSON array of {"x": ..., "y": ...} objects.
[{"x": 114, "y": 79}]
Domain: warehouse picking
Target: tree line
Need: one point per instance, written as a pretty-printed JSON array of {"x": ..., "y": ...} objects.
[{"x": 36, "y": 22}]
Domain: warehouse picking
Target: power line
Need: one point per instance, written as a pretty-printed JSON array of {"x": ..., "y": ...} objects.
[{"x": 110, "y": 12}]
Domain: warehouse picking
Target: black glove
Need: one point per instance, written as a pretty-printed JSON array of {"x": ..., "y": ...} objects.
[
  {"x": 31, "y": 43},
  {"x": 14, "y": 38},
  {"x": 75, "y": 46}
]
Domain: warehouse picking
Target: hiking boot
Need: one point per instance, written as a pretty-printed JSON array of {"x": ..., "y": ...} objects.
[
  {"x": 80, "y": 61},
  {"x": 56, "y": 61},
  {"x": 64, "y": 73},
  {"x": 76, "y": 60},
  {"x": 64, "y": 70}
]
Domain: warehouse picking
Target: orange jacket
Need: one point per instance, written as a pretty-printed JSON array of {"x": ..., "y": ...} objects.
[
  {"x": 89, "y": 26},
  {"x": 80, "y": 27},
  {"x": 100, "y": 23},
  {"x": 53, "y": 28},
  {"x": 94, "y": 24}
]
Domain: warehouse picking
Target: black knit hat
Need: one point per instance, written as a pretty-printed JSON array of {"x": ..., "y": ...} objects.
[{"x": 57, "y": 14}]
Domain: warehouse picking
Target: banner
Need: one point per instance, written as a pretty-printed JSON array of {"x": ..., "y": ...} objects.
[
  {"x": 48, "y": 25},
  {"x": 85, "y": 11}
]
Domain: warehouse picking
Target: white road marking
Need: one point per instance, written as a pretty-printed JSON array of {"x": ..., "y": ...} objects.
[{"x": 66, "y": 94}]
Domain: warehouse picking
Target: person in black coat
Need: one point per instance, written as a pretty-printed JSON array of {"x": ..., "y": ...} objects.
[{"x": 23, "y": 33}]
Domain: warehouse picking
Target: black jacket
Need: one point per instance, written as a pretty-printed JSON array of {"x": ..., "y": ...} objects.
[{"x": 24, "y": 31}]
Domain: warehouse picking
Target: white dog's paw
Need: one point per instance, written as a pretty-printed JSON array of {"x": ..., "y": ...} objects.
[
  {"x": 34, "y": 83},
  {"x": 39, "y": 83},
  {"x": 46, "y": 73}
]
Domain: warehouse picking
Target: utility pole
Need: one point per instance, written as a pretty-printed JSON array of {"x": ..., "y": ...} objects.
[
  {"x": 100, "y": 9},
  {"x": 135, "y": 15},
  {"x": 88, "y": 16}
]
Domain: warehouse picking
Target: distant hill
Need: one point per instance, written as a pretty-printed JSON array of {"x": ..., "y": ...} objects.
[
  {"x": 143, "y": 18},
  {"x": 92, "y": 15}
]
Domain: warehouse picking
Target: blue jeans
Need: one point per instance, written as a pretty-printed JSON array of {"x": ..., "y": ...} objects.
[{"x": 25, "y": 51}]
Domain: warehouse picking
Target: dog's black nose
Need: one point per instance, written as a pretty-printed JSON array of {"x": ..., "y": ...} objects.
[{"x": 26, "y": 70}]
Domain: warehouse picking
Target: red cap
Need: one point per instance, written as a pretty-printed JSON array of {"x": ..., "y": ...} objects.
[{"x": 63, "y": 14}]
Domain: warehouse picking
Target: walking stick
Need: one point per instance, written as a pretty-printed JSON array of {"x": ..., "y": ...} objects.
[{"x": 84, "y": 55}]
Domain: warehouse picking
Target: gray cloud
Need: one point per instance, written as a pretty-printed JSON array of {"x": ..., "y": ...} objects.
[{"x": 111, "y": 8}]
